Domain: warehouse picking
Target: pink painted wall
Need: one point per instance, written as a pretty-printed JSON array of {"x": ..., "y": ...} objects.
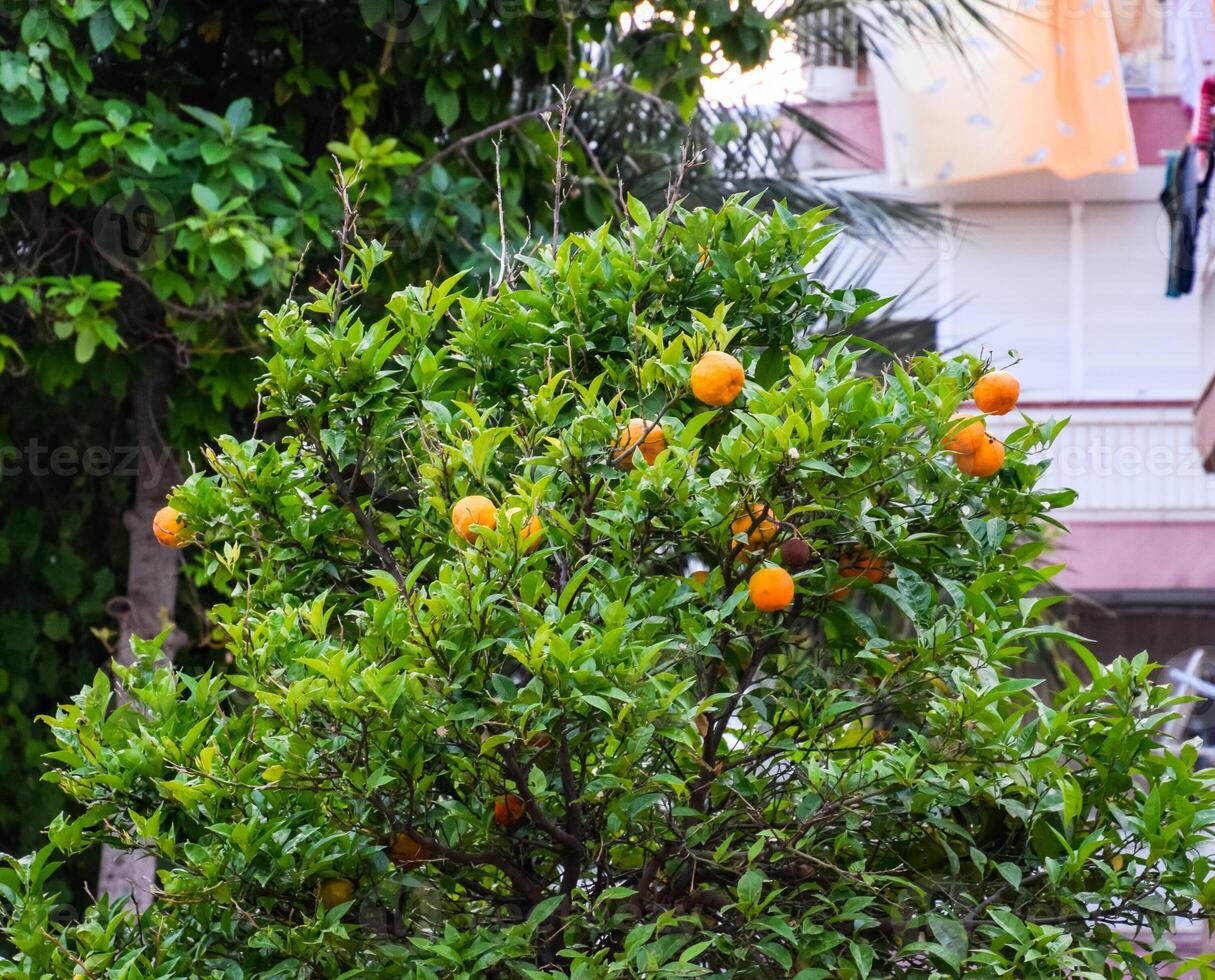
[
  {"x": 1204, "y": 426},
  {"x": 856, "y": 121},
  {"x": 1125, "y": 556},
  {"x": 1160, "y": 123}
]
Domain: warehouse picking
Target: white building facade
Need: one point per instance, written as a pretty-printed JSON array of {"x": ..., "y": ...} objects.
[{"x": 1071, "y": 276}]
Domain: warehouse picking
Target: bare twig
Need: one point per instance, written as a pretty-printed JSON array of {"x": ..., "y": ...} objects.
[
  {"x": 349, "y": 228},
  {"x": 559, "y": 161},
  {"x": 508, "y": 123},
  {"x": 502, "y": 260}
]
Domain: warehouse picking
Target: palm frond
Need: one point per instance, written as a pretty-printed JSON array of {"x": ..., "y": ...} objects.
[
  {"x": 640, "y": 142},
  {"x": 834, "y": 24}
]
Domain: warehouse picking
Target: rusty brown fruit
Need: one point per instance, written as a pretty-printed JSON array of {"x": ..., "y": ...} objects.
[{"x": 795, "y": 553}]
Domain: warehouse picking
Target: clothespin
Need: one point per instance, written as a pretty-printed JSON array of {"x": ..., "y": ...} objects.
[{"x": 1200, "y": 131}]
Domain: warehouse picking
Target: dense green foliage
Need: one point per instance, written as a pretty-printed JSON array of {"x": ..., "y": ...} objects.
[
  {"x": 853, "y": 787},
  {"x": 162, "y": 165}
]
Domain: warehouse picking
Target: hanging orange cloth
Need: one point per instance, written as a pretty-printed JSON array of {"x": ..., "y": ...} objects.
[
  {"x": 1138, "y": 24},
  {"x": 1041, "y": 89}
]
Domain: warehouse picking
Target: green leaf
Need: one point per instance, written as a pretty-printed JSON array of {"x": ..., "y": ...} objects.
[
  {"x": 143, "y": 155},
  {"x": 447, "y": 107},
  {"x": 213, "y": 153},
  {"x": 862, "y": 956},
  {"x": 541, "y": 912},
  {"x": 239, "y": 115},
  {"x": 1010, "y": 873},
  {"x": 56, "y": 626},
  {"x": 228, "y": 259},
  {"x": 639, "y": 214},
  {"x": 205, "y": 198},
  {"x": 750, "y": 887},
  {"x": 953, "y": 939},
  {"x": 102, "y": 30},
  {"x": 86, "y": 344}
]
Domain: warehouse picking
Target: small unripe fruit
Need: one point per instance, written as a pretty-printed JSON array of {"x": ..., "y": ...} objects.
[{"x": 795, "y": 553}]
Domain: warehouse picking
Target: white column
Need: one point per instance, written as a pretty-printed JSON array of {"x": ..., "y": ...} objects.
[
  {"x": 948, "y": 242},
  {"x": 1075, "y": 301}
]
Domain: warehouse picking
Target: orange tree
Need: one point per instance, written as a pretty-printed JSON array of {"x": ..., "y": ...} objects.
[{"x": 532, "y": 742}]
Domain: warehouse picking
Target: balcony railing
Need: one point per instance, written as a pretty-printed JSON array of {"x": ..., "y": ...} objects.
[
  {"x": 832, "y": 48},
  {"x": 1127, "y": 463}
]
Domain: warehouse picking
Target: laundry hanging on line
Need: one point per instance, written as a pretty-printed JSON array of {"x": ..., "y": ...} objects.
[
  {"x": 1185, "y": 202},
  {"x": 1138, "y": 24},
  {"x": 1039, "y": 90},
  {"x": 1185, "y": 192},
  {"x": 1194, "y": 47}
]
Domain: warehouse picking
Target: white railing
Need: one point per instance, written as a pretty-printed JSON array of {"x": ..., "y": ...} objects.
[
  {"x": 813, "y": 32},
  {"x": 1127, "y": 463},
  {"x": 832, "y": 50}
]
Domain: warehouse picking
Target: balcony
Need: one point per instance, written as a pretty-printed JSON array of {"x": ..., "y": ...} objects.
[
  {"x": 1129, "y": 462},
  {"x": 840, "y": 94},
  {"x": 1144, "y": 519}
]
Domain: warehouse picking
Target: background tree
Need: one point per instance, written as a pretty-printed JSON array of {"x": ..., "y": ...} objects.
[{"x": 509, "y": 736}]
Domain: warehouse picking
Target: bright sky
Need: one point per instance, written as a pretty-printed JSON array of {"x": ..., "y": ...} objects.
[{"x": 777, "y": 80}]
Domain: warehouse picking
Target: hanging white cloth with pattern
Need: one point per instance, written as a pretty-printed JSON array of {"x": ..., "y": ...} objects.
[{"x": 1194, "y": 40}]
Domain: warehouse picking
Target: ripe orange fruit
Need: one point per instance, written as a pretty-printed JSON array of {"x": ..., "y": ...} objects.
[
  {"x": 717, "y": 378},
  {"x": 862, "y": 563},
  {"x": 169, "y": 526},
  {"x": 771, "y": 589},
  {"x": 859, "y": 563},
  {"x": 531, "y": 531},
  {"x": 997, "y": 392},
  {"x": 641, "y": 434},
  {"x": 966, "y": 433},
  {"x": 539, "y": 741},
  {"x": 699, "y": 578},
  {"x": 405, "y": 852},
  {"x": 473, "y": 510},
  {"x": 984, "y": 461},
  {"x": 333, "y": 892},
  {"x": 508, "y": 811},
  {"x": 757, "y": 523}
]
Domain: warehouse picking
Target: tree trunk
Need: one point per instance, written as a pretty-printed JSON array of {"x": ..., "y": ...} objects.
[{"x": 151, "y": 597}]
